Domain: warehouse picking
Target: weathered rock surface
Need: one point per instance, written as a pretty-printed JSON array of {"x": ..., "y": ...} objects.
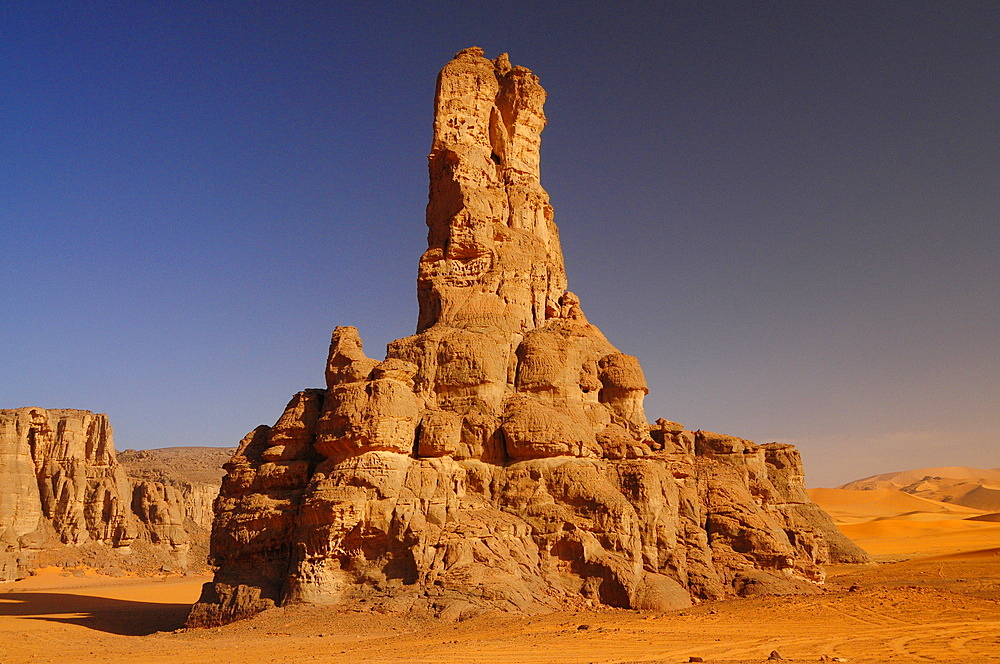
[
  {"x": 193, "y": 472},
  {"x": 500, "y": 457},
  {"x": 173, "y": 496},
  {"x": 60, "y": 481},
  {"x": 62, "y": 485}
]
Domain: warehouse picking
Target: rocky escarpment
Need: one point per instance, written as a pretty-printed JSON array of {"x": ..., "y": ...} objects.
[
  {"x": 500, "y": 458},
  {"x": 65, "y": 492},
  {"x": 173, "y": 493},
  {"x": 193, "y": 473}
]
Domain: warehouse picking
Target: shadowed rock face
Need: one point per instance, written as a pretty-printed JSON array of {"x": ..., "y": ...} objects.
[
  {"x": 500, "y": 457},
  {"x": 61, "y": 483},
  {"x": 173, "y": 492}
]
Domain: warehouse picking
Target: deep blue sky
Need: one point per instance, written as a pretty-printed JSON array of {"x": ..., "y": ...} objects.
[{"x": 790, "y": 212}]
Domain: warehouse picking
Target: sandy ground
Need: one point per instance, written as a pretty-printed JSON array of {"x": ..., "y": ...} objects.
[{"x": 941, "y": 605}]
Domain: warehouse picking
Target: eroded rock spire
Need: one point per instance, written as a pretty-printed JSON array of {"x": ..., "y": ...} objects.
[
  {"x": 493, "y": 258},
  {"x": 500, "y": 458}
]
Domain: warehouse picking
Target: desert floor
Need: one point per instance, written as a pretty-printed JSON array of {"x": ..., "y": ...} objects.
[{"x": 933, "y": 597}]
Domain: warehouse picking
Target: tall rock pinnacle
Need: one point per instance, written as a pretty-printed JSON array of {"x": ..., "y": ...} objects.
[
  {"x": 493, "y": 258},
  {"x": 500, "y": 458}
]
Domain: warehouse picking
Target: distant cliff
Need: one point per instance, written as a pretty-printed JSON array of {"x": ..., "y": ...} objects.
[{"x": 67, "y": 498}]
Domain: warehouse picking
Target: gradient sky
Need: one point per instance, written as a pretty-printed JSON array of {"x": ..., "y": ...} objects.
[{"x": 789, "y": 211}]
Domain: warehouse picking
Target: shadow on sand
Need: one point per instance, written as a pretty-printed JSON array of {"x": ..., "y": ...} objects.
[{"x": 115, "y": 616}]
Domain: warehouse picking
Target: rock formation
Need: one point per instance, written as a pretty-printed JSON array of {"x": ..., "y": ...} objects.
[
  {"x": 500, "y": 458},
  {"x": 61, "y": 484},
  {"x": 173, "y": 492},
  {"x": 193, "y": 472},
  {"x": 59, "y": 479}
]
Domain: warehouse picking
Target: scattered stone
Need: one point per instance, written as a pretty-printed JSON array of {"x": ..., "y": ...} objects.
[
  {"x": 583, "y": 627},
  {"x": 775, "y": 655},
  {"x": 693, "y": 658}
]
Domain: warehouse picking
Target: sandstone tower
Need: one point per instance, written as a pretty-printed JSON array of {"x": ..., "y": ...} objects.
[{"x": 500, "y": 458}]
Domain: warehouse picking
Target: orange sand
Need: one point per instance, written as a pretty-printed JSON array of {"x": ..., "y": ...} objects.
[
  {"x": 886, "y": 620},
  {"x": 846, "y": 506},
  {"x": 890, "y": 524}
]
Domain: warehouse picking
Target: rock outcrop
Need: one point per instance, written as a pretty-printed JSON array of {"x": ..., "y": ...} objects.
[
  {"x": 500, "y": 458},
  {"x": 173, "y": 496},
  {"x": 62, "y": 485},
  {"x": 60, "y": 481},
  {"x": 194, "y": 473}
]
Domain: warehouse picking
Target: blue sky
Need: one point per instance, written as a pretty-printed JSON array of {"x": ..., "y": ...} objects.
[{"x": 790, "y": 212}]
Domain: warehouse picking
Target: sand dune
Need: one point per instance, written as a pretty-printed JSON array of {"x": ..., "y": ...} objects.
[
  {"x": 904, "y": 477},
  {"x": 897, "y": 538},
  {"x": 993, "y": 516},
  {"x": 978, "y": 488},
  {"x": 983, "y": 497},
  {"x": 891, "y": 524},
  {"x": 847, "y": 506}
]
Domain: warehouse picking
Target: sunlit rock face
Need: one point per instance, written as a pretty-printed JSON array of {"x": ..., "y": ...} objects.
[
  {"x": 500, "y": 458},
  {"x": 61, "y": 484}
]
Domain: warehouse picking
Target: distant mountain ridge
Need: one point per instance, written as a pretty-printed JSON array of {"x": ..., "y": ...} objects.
[{"x": 197, "y": 464}]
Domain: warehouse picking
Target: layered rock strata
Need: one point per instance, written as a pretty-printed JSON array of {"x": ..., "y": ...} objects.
[
  {"x": 61, "y": 484},
  {"x": 500, "y": 458}
]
